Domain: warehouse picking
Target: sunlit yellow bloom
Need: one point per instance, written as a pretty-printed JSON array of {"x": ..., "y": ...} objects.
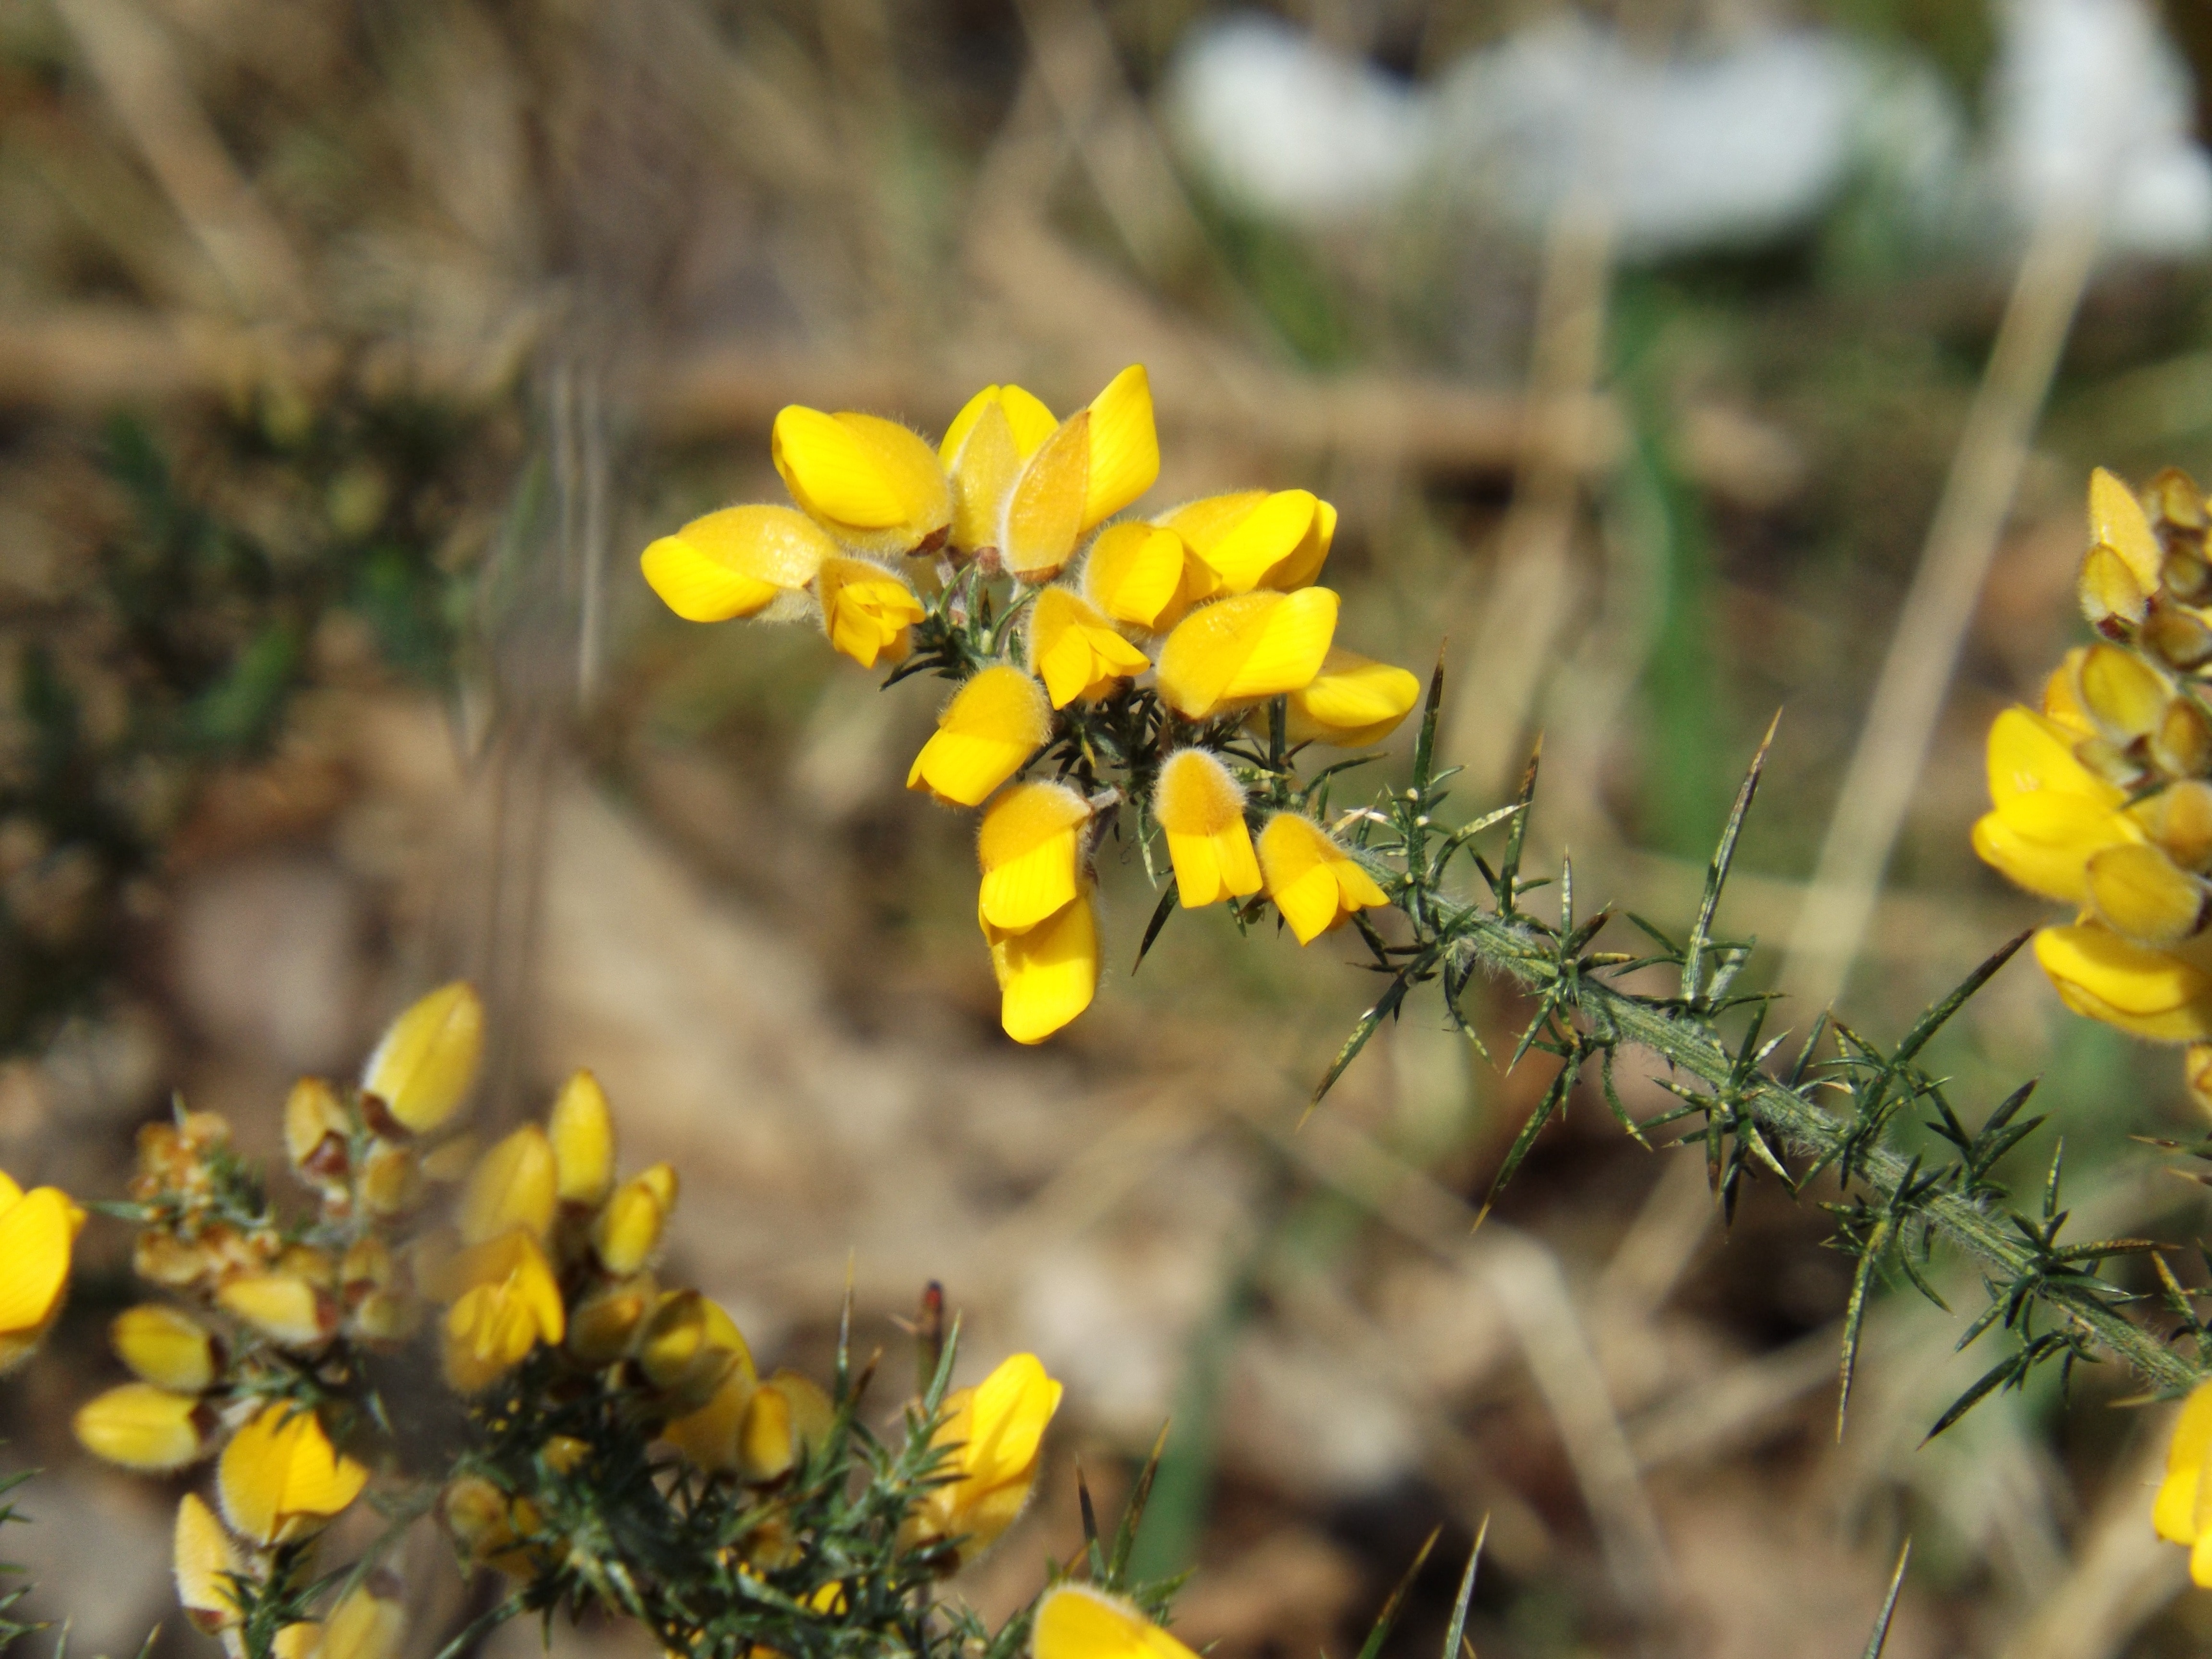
[
  {"x": 983, "y": 452},
  {"x": 2052, "y": 813},
  {"x": 2121, "y": 571},
  {"x": 142, "y": 1427},
  {"x": 582, "y": 1131},
  {"x": 626, "y": 1233},
  {"x": 869, "y": 482},
  {"x": 300, "y": 1640},
  {"x": 2182, "y": 1511},
  {"x": 737, "y": 562},
  {"x": 507, "y": 1302},
  {"x": 1031, "y": 848},
  {"x": 993, "y": 723},
  {"x": 1201, "y": 808},
  {"x": 2142, "y": 895},
  {"x": 315, "y": 1128},
  {"x": 37, "y": 1230},
  {"x": 1254, "y": 539},
  {"x": 1089, "y": 468},
  {"x": 1240, "y": 650},
  {"x": 689, "y": 1347},
  {"x": 1145, "y": 576},
  {"x": 1075, "y": 1621},
  {"x": 607, "y": 1324},
  {"x": 1075, "y": 651},
  {"x": 708, "y": 1436},
  {"x": 1044, "y": 514},
  {"x": 281, "y": 1478},
  {"x": 1049, "y": 973},
  {"x": 1313, "y": 882},
  {"x": 786, "y": 1418},
  {"x": 866, "y": 610},
  {"x": 205, "y": 1560},
  {"x": 515, "y": 1184},
  {"x": 423, "y": 1069},
  {"x": 1353, "y": 702},
  {"x": 369, "y": 1623},
  {"x": 996, "y": 1433},
  {"x": 283, "y": 1307},
  {"x": 2158, "y": 995},
  {"x": 166, "y": 1347}
]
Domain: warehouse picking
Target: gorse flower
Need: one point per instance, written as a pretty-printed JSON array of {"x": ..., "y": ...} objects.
[
  {"x": 1313, "y": 880},
  {"x": 1075, "y": 1621},
  {"x": 1254, "y": 539},
  {"x": 740, "y": 562},
  {"x": 993, "y": 1433},
  {"x": 1243, "y": 650},
  {"x": 38, "y": 1229},
  {"x": 281, "y": 1478},
  {"x": 992, "y": 726},
  {"x": 870, "y": 483},
  {"x": 1075, "y": 651},
  {"x": 1201, "y": 808},
  {"x": 2182, "y": 1511}
]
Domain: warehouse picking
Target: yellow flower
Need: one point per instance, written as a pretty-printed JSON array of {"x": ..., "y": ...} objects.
[
  {"x": 281, "y": 1478},
  {"x": 709, "y": 1436},
  {"x": 504, "y": 1302},
  {"x": 1075, "y": 1621},
  {"x": 786, "y": 1418},
  {"x": 607, "y": 1324},
  {"x": 2052, "y": 813},
  {"x": 1048, "y": 973},
  {"x": 1353, "y": 702},
  {"x": 869, "y": 481},
  {"x": 423, "y": 1069},
  {"x": 1254, "y": 539},
  {"x": 169, "y": 1349},
  {"x": 993, "y": 724},
  {"x": 2142, "y": 895},
  {"x": 2121, "y": 571},
  {"x": 390, "y": 1177},
  {"x": 689, "y": 1347},
  {"x": 1075, "y": 651},
  {"x": 490, "y": 1525},
  {"x": 582, "y": 1131},
  {"x": 142, "y": 1427},
  {"x": 1315, "y": 883},
  {"x": 2153, "y": 993},
  {"x": 37, "y": 1231},
  {"x": 1202, "y": 809},
  {"x": 866, "y": 610},
  {"x": 983, "y": 452},
  {"x": 369, "y": 1623},
  {"x": 737, "y": 562},
  {"x": 1081, "y": 473},
  {"x": 627, "y": 1231},
  {"x": 515, "y": 1184},
  {"x": 2182, "y": 1511},
  {"x": 996, "y": 1433},
  {"x": 316, "y": 1128},
  {"x": 2125, "y": 698},
  {"x": 1031, "y": 848},
  {"x": 1145, "y": 576},
  {"x": 206, "y": 1563},
  {"x": 283, "y": 1307},
  {"x": 1241, "y": 650}
]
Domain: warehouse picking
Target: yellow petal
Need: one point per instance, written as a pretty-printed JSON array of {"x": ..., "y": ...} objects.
[
  {"x": 36, "y": 1232},
  {"x": 283, "y": 1306},
  {"x": 2200, "y": 1560},
  {"x": 312, "y": 1117},
  {"x": 628, "y": 1230},
  {"x": 2116, "y": 521},
  {"x": 1250, "y": 545},
  {"x": 365, "y": 1625},
  {"x": 2123, "y": 695},
  {"x": 1124, "y": 449},
  {"x": 1353, "y": 702},
  {"x": 866, "y": 610},
  {"x": 2150, "y": 994},
  {"x": 2174, "y": 1515},
  {"x": 166, "y": 1347},
  {"x": 993, "y": 724},
  {"x": 708, "y": 1436},
  {"x": 736, "y": 561},
  {"x": 280, "y": 1478},
  {"x": 2139, "y": 893},
  {"x": 515, "y": 1184},
  {"x": 205, "y": 1561},
  {"x": 869, "y": 480},
  {"x": 1013, "y": 1406},
  {"x": 142, "y": 1427},
  {"x": 1145, "y": 576},
  {"x": 2107, "y": 590},
  {"x": 2028, "y": 753},
  {"x": 581, "y": 1129},
  {"x": 1075, "y": 651},
  {"x": 983, "y": 475},
  {"x": 423, "y": 1068},
  {"x": 1029, "y": 846},
  {"x": 1047, "y": 975},
  {"x": 1044, "y": 515},
  {"x": 1075, "y": 1621},
  {"x": 1028, "y": 421},
  {"x": 1201, "y": 808},
  {"x": 1313, "y": 882},
  {"x": 1244, "y": 649}
]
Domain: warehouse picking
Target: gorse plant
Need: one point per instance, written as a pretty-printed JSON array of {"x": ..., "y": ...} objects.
[{"x": 603, "y": 1438}]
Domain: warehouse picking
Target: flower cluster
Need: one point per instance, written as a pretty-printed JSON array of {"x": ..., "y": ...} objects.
[
  {"x": 2102, "y": 797},
  {"x": 1170, "y": 665}
]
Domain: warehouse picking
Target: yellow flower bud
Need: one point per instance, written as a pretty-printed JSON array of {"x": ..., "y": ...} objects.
[
  {"x": 993, "y": 725},
  {"x": 391, "y": 1178},
  {"x": 370, "y": 1622},
  {"x": 1352, "y": 702},
  {"x": 423, "y": 1068},
  {"x": 515, "y": 1184},
  {"x": 1049, "y": 973},
  {"x": 1245, "y": 650},
  {"x": 1075, "y": 651},
  {"x": 1254, "y": 539},
  {"x": 2053, "y": 814},
  {"x": 2117, "y": 521},
  {"x": 2123, "y": 696},
  {"x": 1201, "y": 808},
  {"x": 786, "y": 1417},
  {"x": 2107, "y": 591},
  {"x": 2148, "y": 993},
  {"x": 688, "y": 1347},
  {"x": 283, "y": 1307},
  {"x": 1313, "y": 882},
  {"x": 1075, "y": 1621},
  {"x": 995, "y": 1433},
  {"x": 984, "y": 451},
  {"x": 206, "y": 1563},
  {"x": 142, "y": 1427},
  {"x": 582, "y": 1131},
  {"x": 511, "y": 1304},
  {"x": 316, "y": 1128},
  {"x": 2181, "y": 744},
  {"x": 660, "y": 1180},
  {"x": 169, "y": 1349},
  {"x": 1031, "y": 848},
  {"x": 708, "y": 1436},
  {"x": 869, "y": 482},
  {"x": 2139, "y": 894},
  {"x": 2180, "y": 636},
  {"x": 1145, "y": 576},
  {"x": 489, "y": 1525},
  {"x": 160, "y": 1257},
  {"x": 451, "y": 1160},
  {"x": 607, "y": 1325},
  {"x": 38, "y": 1229},
  {"x": 866, "y": 610},
  {"x": 737, "y": 562},
  {"x": 627, "y": 1231},
  {"x": 280, "y": 1479}
]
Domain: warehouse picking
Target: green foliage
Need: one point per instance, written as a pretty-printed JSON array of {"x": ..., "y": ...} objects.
[{"x": 12, "y": 1593}]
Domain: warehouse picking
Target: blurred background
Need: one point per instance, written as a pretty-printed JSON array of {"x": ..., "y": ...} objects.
[{"x": 1670, "y": 364}]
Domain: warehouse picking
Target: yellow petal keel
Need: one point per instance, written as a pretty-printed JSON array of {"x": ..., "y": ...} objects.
[{"x": 993, "y": 724}]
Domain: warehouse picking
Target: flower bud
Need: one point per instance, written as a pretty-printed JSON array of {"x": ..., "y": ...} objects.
[
  {"x": 391, "y": 1178},
  {"x": 604, "y": 1326},
  {"x": 169, "y": 1349},
  {"x": 660, "y": 1180},
  {"x": 367, "y": 1265},
  {"x": 684, "y": 1350},
  {"x": 786, "y": 1417},
  {"x": 626, "y": 1230},
  {"x": 316, "y": 1129},
  {"x": 280, "y": 1479},
  {"x": 160, "y": 1257},
  {"x": 582, "y": 1131},
  {"x": 427, "y": 1062},
  {"x": 283, "y": 1307},
  {"x": 207, "y": 1561},
  {"x": 514, "y": 1185},
  {"x": 142, "y": 1427}
]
